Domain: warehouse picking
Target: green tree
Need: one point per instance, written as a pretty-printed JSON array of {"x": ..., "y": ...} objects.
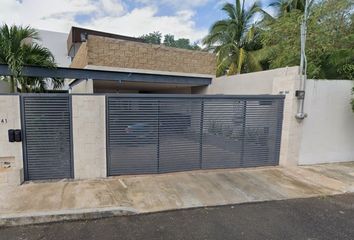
[
  {"x": 329, "y": 43},
  {"x": 234, "y": 39},
  {"x": 154, "y": 37},
  {"x": 169, "y": 40},
  {"x": 18, "y": 49},
  {"x": 283, "y": 7},
  {"x": 352, "y": 102}
]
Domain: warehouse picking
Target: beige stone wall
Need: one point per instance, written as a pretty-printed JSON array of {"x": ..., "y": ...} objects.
[
  {"x": 89, "y": 136},
  {"x": 110, "y": 52},
  {"x": 81, "y": 58},
  {"x": 11, "y": 161}
]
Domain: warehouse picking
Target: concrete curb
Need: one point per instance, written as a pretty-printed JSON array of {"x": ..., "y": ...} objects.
[{"x": 7, "y": 220}]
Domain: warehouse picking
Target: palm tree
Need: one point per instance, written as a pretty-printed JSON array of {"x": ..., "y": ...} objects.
[
  {"x": 232, "y": 39},
  {"x": 17, "y": 50},
  {"x": 285, "y": 6}
]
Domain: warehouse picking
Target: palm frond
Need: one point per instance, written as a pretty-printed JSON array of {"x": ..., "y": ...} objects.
[
  {"x": 18, "y": 49},
  {"x": 230, "y": 10}
]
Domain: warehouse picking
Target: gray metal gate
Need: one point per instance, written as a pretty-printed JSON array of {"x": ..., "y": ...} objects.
[
  {"x": 47, "y": 136},
  {"x": 168, "y": 133}
]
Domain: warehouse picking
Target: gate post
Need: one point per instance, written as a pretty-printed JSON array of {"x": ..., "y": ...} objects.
[
  {"x": 89, "y": 136},
  {"x": 201, "y": 133},
  {"x": 158, "y": 136},
  {"x": 292, "y": 129}
]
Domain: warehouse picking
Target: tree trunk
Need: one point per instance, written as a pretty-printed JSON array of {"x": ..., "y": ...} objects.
[
  {"x": 241, "y": 59},
  {"x": 12, "y": 84}
]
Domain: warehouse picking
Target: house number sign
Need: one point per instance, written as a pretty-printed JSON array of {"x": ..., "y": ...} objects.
[{"x": 3, "y": 121}]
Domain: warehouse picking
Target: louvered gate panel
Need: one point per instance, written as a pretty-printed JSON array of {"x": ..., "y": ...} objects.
[
  {"x": 241, "y": 132},
  {"x": 222, "y": 133},
  {"x": 47, "y": 137},
  {"x": 179, "y": 134},
  {"x": 164, "y": 133},
  {"x": 263, "y": 123},
  {"x": 132, "y": 133}
]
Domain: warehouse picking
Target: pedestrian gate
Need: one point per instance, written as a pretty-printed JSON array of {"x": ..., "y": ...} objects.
[
  {"x": 168, "y": 133},
  {"x": 47, "y": 142}
]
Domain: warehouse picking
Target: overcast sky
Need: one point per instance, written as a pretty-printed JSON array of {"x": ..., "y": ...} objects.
[{"x": 183, "y": 18}]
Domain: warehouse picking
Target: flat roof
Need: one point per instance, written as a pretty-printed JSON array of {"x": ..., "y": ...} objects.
[{"x": 131, "y": 76}]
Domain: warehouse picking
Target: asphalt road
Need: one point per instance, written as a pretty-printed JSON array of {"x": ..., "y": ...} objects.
[{"x": 315, "y": 218}]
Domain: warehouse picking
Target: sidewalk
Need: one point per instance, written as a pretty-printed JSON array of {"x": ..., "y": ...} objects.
[{"x": 64, "y": 200}]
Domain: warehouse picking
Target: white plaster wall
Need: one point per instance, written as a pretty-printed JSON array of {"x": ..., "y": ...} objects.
[
  {"x": 83, "y": 86},
  {"x": 89, "y": 136},
  {"x": 292, "y": 128},
  {"x": 328, "y": 132},
  {"x": 11, "y": 161},
  {"x": 10, "y": 118},
  {"x": 4, "y": 86},
  {"x": 250, "y": 83},
  {"x": 56, "y": 43},
  {"x": 277, "y": 81}
]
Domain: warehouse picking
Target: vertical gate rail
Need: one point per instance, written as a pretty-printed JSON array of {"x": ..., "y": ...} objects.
[
  {"x": 233, "y": 131},
  {"x": 201, "y": 135},
  {"x": 158, "y": 136}
]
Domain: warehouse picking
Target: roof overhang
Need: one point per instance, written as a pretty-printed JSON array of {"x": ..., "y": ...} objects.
[{"x": 126, "y": 76}]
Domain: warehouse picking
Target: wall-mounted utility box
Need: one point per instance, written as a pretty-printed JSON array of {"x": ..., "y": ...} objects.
[
  {"x": 15, "y": 135},
  {"x": 11, "y": 134},
  {"x": 18, "y": 134}
]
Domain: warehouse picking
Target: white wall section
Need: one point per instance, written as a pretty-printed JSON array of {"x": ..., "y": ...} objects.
[{"x": 328, "y": 131}]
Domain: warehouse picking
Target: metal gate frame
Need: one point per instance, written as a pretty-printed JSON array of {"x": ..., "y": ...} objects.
[
  {"x": 195, "y": 96},
  {"x": 24, "y": 135}
]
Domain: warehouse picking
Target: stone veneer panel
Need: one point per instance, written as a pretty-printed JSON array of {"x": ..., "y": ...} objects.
[
  {"x": 89, "y": 136},
  {"x": 103, "y": 51}
]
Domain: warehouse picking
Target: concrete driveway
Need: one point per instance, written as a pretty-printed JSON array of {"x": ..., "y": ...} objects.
[{"x": 53, "y": 201}]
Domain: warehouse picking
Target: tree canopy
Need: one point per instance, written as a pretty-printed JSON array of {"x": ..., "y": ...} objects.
[
  {"x": 234, "y": 38},
  {"x": 245, "y": 43},
  {"x": 170, "y": 41},
  {"x": 330, "y": 40}
]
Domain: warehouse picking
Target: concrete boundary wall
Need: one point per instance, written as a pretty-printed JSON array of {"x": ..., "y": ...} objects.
[
  {"x": 326, "y": 135},
  {"x": 328, "y": 131},
  {"x": 250, "y": 83},
  {"x": 11, "y": 161}
]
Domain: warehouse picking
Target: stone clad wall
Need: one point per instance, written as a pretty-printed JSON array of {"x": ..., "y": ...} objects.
[
  {"x": 80, "y": 60},
  {"x": 102, "y": 51},
  {"x": 89, "y": 136}
]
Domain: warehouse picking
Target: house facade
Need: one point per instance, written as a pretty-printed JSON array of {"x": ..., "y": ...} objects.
[
  {"x": 137, "y": 108},
  {"x": 116, "y": 53}
]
